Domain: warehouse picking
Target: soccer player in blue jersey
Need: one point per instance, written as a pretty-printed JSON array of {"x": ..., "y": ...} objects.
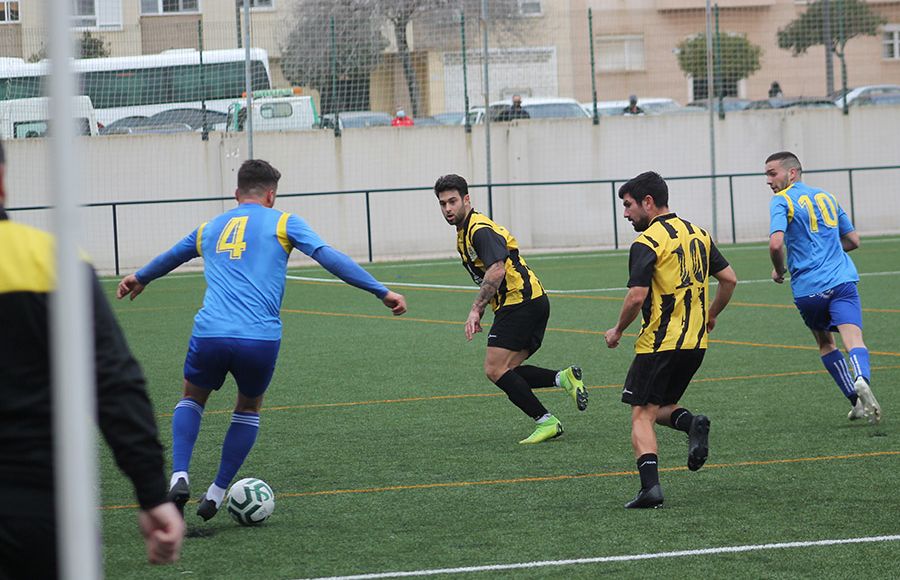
[
  {"x": 818, "y": 235},
  {"x": 238, "y": 328}
]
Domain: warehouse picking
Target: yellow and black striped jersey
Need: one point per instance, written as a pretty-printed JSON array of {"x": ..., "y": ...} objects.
[
  {"x": 674, "y": 258},
  {"x": 480, "y": 243},
  {"x": 27, "y": 279}
]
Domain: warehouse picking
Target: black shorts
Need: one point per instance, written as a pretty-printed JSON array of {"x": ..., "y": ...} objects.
[
  {"x": 521, "y": 326},
  {"x": 660, "y": 378},
  {"x": 27, "y": 547}
]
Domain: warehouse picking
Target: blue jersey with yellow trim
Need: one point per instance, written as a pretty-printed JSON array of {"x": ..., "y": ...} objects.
[
  {"x": 245, "y": 252},
  {"x": 813, "y": 223}
]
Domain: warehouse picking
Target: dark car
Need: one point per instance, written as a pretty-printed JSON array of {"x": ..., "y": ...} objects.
[
  {"x": 194, "y": 118},
  {"x": 124, "y": 125},
  {"x": 729, "y": 104},
  {"x": 357, "y": 119},
  {"x": 792, "y": 103}
]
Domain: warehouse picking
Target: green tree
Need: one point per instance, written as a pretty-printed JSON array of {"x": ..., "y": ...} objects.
[
  {"x": 740, "y": 57},
  {"x": 830, "y": 23},
  {"x": 90, "y": 46}
]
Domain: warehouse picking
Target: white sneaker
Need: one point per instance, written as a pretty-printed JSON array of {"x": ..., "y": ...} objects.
[
  {"x": 870, "y": 405},
  {"x": 857, "y": 412}
]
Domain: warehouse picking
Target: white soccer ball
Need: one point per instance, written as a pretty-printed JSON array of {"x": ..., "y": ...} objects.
[{"x": 250, "y": 501}]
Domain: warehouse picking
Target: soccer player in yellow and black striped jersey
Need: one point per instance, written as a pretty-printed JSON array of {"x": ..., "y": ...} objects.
[
  {"x": 670, "y": 264},
  {"x": 521, "y": 309}
]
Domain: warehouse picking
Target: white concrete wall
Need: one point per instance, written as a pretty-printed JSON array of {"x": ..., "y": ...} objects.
[{"x": 409, "y": 225}]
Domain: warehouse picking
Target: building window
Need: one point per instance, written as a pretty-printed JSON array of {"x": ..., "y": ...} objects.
[
  {"x": 84, "y": 14},
  {"x": 530, "y": 8},
  {"x": 267, "y": 4},
  {"x": 102, "y": 14},
  {"x": 620, "y": 52},
  {"x": 9, "y": 12},
  {"x": 169, "y": 6},
  {"x": 891, "y": 42}
]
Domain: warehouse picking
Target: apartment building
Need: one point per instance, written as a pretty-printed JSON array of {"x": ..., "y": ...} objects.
[{"x": 537, "y": 48}]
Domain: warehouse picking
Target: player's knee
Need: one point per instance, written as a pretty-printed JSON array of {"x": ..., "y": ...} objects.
[{"x": 494, "y": 372}]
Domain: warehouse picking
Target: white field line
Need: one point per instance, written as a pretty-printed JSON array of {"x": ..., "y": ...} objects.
[
  {"x": 628, "y": 558},
  {"x": 579, "y": 291}
]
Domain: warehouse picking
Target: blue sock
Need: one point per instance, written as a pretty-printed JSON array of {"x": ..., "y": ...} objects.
[
  {"x": 837, "y": 366},
  {"x": 185, "y": 427},
  {"x": 238, "y": 442},
  {"x": 859, "y": 358}
]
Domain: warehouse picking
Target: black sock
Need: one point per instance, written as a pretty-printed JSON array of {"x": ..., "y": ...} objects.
[
  {"x": 681, "y": 419},
  {"x": 518, "y": 391},
  {"x": 649, "y": 469},
  {"x": 536, "y": 377}
]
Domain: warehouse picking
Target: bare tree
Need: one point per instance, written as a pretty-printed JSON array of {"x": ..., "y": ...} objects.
[
  {"x": 333, "y": 46},
  {"x": 310, "y": 60},
  {"x": 401, "y": 12}
]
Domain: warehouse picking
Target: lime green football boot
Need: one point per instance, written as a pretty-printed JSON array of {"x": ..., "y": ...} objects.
[
  {"x": 570, "y": 380},
  {"x": 547, "y": 429}
]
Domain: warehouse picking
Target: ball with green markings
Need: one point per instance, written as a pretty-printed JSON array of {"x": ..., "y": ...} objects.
[{"x": 250, "y": 501}]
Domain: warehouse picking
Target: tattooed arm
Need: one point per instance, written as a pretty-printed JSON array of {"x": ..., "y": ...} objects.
[{"x": 493, "y": 277}]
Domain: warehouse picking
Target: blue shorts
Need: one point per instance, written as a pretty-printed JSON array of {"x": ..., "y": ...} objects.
[
  {"x": 826, "y": 310},
  {"x": 250, "y": 362}
]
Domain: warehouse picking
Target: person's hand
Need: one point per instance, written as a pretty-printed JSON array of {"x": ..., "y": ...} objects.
[
  {"x": 473, "y": 323},
  {"x": 129, "y": 285},
  {"x": 396, "y": 302},
  {"x": 777, "y": 277},
  {"x": 710, "y": 324},
  {"x": 163, "y": 530},
  {"x": 612, "y": 336}
]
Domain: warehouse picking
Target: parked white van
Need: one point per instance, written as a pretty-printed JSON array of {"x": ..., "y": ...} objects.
[
  {"x": 24, "y": 118},
  {"x": 275, "y": 110}
]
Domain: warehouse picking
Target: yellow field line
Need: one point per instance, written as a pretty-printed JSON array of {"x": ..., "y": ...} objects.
[
  {"x": 562, "y": 477},
  {"x": 502, "y": 394},
  {"x": 566, "y": 330}
]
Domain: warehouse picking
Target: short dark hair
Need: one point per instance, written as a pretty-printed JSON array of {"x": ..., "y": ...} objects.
[
  {"x": 257, "y": 174},
  {"x": 647, "y": 183},
  {"x": 451, "y": 181},
  {"x": 788, "y": 160}
]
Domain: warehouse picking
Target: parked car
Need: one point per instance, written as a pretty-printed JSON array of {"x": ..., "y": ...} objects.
[
  {"x": 863, "y": 92},
  {"x": 450, "y": 118},
  {"x": 729, "y": 104},
  {"x": 425, "y": 121},
  {"x": 194, "y": 118},
  {"x": 884, "y": 99},
  {"x": 124, "y": 125},
  {"x": 536, "y": 107},
  {"x": 27, "y": 118},
  {"x": 357, "y": 119},
  {"x": 650, "y": 106},
  {"x": 543, "y": 108},
  {"x": 275, "y": 110},
  {"x": 792, "y": 102}
]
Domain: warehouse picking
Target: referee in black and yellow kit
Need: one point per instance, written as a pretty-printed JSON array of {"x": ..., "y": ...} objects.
[
  {"x": 521, "y": 309},
  {"x": 670, "y": 264},
  {"x": 28, "y": 538}
]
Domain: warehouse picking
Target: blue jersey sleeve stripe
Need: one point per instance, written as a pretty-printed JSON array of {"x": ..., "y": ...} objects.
[
  {"x": 200, "y": 238},
  {"x": 281, "y": 232}
]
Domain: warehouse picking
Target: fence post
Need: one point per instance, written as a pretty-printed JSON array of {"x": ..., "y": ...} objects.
[
  {"x": 615, "y": 224},
  {"x": 731, "y": 205},
  {"x": 593, "y": 69},
  {"x": 462, "y": 32},
  {"x": 116, "y": 238},
  {"x": 369, "y": 225},
  {"x": 852, "y": 208}
]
